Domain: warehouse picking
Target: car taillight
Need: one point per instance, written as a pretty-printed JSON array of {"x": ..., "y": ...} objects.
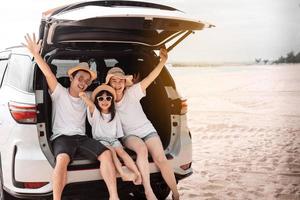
[
  {"x": 34, "y": 185},
  {"x": 23, "y": 113},
  {"x": 186, "y": 166},
  {"x": 184, "y": 106}
]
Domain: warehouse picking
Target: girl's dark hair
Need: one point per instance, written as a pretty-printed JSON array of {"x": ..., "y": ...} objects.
[{"x": 111, "y": 109}]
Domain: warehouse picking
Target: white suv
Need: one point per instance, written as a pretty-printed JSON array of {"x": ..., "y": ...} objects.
[{"x": 102, "y": 33}]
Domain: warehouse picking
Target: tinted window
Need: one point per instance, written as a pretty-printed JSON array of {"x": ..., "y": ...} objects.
[
  {"x": 3, "y": 64},
  {"x": 110, "y": 62},
  {"x": 20, "y": 72},
  {"x": 63, "y": 66},
  {"x": 93, "y": 64}
]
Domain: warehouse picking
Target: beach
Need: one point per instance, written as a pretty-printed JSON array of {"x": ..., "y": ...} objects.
[{"x": 245, "y": 125}]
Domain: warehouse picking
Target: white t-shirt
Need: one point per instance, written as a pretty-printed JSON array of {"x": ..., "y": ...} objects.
[
  {"x": 102, "y": 128},
  {"x": 133, "y": 118},
  {"x": 68, "y": 113}
]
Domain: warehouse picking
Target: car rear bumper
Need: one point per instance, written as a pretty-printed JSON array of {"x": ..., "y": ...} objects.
[
  {"x": 95, "y": 189},
  {"x": 40, "y": 196}
]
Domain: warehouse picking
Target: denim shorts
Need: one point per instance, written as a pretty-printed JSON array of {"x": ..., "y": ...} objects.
[
  {"x": 145, "y": 138},
  {"x": 77, "y": 145}
]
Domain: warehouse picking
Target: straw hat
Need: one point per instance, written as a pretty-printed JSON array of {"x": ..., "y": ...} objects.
[
  {"x": 85, "y": 67},
  {"x": 101, "y": 88},
  {"x": 118, "y": 72}
]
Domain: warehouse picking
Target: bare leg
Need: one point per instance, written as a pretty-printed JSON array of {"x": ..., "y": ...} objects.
[
  {"x": 126, "y": 176},
  {"x": 108, "y": 173},
  {"x": 130, "y": 164},
  {"x": 156, "y": 150},
  {"x": 59, "y": 176},
  {"x": 138, "y": 145}
]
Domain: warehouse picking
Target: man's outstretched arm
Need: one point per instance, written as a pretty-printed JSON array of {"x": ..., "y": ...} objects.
[{"x": 34, "y": 47}]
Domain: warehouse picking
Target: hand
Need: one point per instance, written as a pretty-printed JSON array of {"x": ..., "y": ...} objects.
[
  {"x": 82, "y": 95},
  {"x": 32, "y": 45},
  {"x": 163, "y": 54}
]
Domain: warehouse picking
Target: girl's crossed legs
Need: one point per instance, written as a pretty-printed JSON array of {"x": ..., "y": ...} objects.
[
  {"x": 117, "y": 151},
  {"x": 130, "y": 164},
  {"x": 125, "y": 175}
]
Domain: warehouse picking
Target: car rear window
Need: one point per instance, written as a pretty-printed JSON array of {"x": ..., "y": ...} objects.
[
  {"x": 110, "y": 62},
  {"x": 62, "y": 66},
  {"x": 20, "y": 72}
]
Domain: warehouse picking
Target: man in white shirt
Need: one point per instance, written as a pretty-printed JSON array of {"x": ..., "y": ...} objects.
[{"x": 68, "y": 123}]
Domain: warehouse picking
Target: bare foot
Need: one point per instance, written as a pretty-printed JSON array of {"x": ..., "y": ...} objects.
[
  {"x": 128, "y": 176},
  {"x": 138, "y": 179}
]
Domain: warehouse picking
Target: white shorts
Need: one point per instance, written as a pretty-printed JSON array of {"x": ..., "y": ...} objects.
[
  {"x": 115, "y": 143},
  {"x": 150, "y": 135}
]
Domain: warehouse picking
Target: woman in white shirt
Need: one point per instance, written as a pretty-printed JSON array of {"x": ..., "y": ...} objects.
[
  {"x": 106, "y": 128},
  {"x": 140, "y": 135}
]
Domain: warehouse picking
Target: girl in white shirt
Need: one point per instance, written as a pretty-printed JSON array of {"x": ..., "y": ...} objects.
[
  {"x": 106, "y": 128},
  {"x": 140, "y": 135}
]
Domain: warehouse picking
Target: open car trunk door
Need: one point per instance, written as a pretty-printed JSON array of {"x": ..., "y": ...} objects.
[{"x": 121, "y": 22}]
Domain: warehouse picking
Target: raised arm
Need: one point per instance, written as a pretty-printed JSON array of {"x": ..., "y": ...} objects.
[
  {"x": 87, "y": 101},
  {"x": 163, "y": 54},
  {"x": 34, "y": 47}
]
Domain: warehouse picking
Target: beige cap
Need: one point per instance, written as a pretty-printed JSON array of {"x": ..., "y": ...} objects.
[
  {"x": 85, "y": 67},
  {"x": 118, "y": 72},
  {"x": 101, "y": 88}
]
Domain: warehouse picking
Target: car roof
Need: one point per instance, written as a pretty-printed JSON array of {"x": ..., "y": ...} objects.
[
  {"x": 117, "y": 22},
  {"x": 18, "y": 50}
]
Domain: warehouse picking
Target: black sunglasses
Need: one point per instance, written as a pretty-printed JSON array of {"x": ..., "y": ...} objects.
[{"x": 107, "y": 98}]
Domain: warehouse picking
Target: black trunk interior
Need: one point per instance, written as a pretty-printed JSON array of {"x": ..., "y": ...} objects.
[{"x": 156, "y": 104}]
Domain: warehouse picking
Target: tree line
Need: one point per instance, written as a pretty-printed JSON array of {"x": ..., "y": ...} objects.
[{"x": 291, "y": 57}]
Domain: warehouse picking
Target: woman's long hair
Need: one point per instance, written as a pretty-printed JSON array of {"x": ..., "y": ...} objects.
[{"x": 111, "y": 109}]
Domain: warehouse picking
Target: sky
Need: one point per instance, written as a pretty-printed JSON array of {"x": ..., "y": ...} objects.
[{"x": 245, "y": 29}]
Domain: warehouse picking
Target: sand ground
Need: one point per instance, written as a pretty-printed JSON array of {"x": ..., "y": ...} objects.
[{"x": 245, "y": 124}]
